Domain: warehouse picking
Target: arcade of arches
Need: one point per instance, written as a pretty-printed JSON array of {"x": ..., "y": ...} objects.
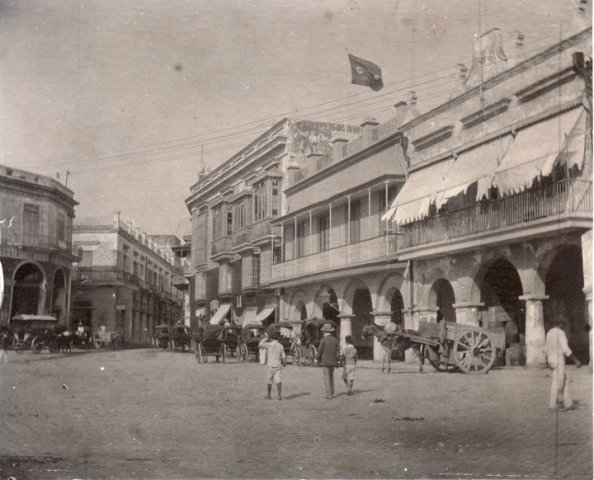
[{"x": 516, "y": 290}]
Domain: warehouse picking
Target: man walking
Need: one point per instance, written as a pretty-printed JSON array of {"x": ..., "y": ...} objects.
[
  {"x": 328, "y": 358},
  {"x": 556, "y": 349}
]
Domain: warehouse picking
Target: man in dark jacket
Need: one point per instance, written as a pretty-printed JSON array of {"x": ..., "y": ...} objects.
[{"x": 328, "y": 358}]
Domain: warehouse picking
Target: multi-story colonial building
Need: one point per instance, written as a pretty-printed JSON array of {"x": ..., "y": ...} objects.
[
  {"x": 233, "y": 241},
  {"x": 36, "y": 215},
  {"x": 495, "y": 218},
  {"x": 124, "y": 279}
]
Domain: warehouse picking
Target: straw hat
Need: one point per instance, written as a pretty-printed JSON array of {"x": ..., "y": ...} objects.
[{"x": 327, "y": 328}]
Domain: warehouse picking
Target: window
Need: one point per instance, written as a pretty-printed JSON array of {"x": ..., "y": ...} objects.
[
  {"x": 30, "y": 222},
  {"x": 323, "y": 238},
  {"x": 260, "y": 201},
  {"x": 301, "y": 238},
  {"x": 355, "y": 222},
  {"x": 229, "y": 230},
  {"x": 61, "y": 228}
]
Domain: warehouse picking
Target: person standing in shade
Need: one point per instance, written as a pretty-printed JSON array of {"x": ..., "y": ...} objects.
[
  {"x": 328, "y": 358},
  {"x": 275, "y": 361},
  {"x": 349, "y": 354},
  {"x": 556, "y": 349},
  {"x": 3, "y": 342}
]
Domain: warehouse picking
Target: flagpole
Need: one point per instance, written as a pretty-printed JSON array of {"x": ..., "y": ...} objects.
[{"x": 346, "y": 82}]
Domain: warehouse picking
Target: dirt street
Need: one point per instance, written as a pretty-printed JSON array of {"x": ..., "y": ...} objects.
[{"x": 153, "y": 414}]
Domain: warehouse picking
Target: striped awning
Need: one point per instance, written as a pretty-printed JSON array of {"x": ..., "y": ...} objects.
[{"x": 219, "y": 317}]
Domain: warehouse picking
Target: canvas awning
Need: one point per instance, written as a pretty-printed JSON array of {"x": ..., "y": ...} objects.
[
  {"x": 417, "y": 193},
  {"x": 219, "y": 317},
  {"x": 263, "y": 315},
  {"x": 537, "y": 149},
  {"x": 31, "y": 318}
]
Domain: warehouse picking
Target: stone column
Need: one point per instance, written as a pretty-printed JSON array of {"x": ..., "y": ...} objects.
[
  {"x": 589, "y": 314},
  {"x": 535, "y": 330},
  {"x": 381, "y": 319},
  {"x": 345, "y": 326},
  {"x": 468, "y": 313}
]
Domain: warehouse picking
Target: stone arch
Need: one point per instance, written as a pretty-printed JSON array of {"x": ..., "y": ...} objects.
[
  {"x": 442, "y": 298},
  {"x": 386, "y": 288},
  {"x": 482, "y": 266},
  {"x": 543, "y": 263},
  {"x": 297, "y": 304},
  {"x": 426, "y": 284},
  {"x": 325, "y": 293},
  {"x": 29, "y": 285},
  {"x": 358, "y": 296}
]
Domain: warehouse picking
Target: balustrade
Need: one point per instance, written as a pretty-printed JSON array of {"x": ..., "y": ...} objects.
[{"x": 565, "y": 196}]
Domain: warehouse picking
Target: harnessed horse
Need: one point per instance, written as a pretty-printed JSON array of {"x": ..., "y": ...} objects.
[{"x": 393, "y": 340}]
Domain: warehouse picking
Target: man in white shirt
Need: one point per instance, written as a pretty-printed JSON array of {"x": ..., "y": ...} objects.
[
  {"x": 556, "y": 349},
  {"x": 275, "y": 361}
]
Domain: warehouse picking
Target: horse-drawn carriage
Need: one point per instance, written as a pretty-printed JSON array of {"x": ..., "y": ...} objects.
[
  {"x": 34, "y": 332},
  {"x": 107, "y": 339},
  {"x": 311, "y": 335},
  {"x": 251, "y": 334},
  {"x": 180, "y": 337},
  {"x": 447, "y": 345},
  {"x": 222, "y": 341}
]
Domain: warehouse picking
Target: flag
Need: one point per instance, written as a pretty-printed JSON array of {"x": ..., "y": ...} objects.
[{"x": 365, "y": 73}]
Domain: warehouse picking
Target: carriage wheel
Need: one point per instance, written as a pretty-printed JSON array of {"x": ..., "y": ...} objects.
[
  {"x": 312, "y": 355},
  {"x": 18, "y": 346},
  {"x": 474, "y": 351},
  {"x": 36, "y": 345},
  {"x": 436, "y": 362},
  {"x": 242, "y": 352}
]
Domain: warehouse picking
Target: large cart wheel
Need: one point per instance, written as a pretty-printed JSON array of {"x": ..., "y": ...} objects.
[
  {"x": 242, "y": 352},
  {"x": 474, "y": 351},
  {"x": 312, "y": 355},
  {"x": 201, "y": 353},
  {"x": 434, "y": 357}
]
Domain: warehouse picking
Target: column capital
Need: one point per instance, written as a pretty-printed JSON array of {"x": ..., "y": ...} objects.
[
  {"x": 382, "y": 313},
  {"x": 533, "y": 297},
  {"x": 346, "y": 315}
]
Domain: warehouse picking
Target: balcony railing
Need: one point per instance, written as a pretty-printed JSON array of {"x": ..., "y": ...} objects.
[
  {"x": 366, "y": 251},
  {"x": 15, "y": 238},
  {"x": 566, "y": 196},
  {"x": 222, "y": 245},
  {"x": 254, "y": 232}
]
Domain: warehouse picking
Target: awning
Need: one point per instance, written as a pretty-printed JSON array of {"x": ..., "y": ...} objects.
[
  {"x": 537, "y": 149},
  {"x": 32, "y": 318},
  {"x": 417, "y": 193},
  {"x": 219, "y": 317},
  {"x": 263, "y": 315},
  {"x": 472, "y": 165}
]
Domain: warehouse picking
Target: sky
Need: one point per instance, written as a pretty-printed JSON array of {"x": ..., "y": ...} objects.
[{"x": 132, "y": 97}]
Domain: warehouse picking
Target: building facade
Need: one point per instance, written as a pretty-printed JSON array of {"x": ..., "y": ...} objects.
[
  {"x": 495, "y": 218},
  {"x": 36, "y": 215},
  {"x": 125, "y": 279},
  {"x": 233, "y": 240}
]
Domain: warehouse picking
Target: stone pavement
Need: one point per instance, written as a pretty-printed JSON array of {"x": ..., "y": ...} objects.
[{"x": 152, "y": 414}]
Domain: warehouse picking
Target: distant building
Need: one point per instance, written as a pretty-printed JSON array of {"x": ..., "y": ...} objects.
[
  {"x": 232, "y": 208},
  {"x": 36, "y": 215},
  {"x": 124, "y": 279}
]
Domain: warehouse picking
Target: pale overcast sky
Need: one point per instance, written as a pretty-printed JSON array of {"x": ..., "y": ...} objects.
[{"x": 124, "y": 93}]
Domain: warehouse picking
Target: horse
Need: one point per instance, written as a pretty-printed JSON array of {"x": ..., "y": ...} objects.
[{"x": 393, "y": 340}]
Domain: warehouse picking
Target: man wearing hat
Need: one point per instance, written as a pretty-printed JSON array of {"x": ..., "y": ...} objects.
[
  {"x": 275, "y": 361},
  {"x": 328, "y": 358}
]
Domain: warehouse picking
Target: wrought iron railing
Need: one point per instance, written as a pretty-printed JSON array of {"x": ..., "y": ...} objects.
[{"x": 565, "y": 196}]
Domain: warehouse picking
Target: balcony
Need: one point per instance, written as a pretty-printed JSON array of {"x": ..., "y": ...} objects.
[
  {"x": 565, "y": 199},
  {"x": 13, "y": 238},
  {"x": 366, "y": 251},
  {"x": 222, "y": 246},
  {"x": 255, "y": 233}
]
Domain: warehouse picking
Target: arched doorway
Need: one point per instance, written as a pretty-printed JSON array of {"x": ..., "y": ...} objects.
[
  {"x": 28, "y": 291},
  {"x": 501, "y": 289},
  {"x": 59, "y": 296},
  {"x": 362, "y": 315},
  {"x": 563, "y": 284},
  {"x": 442, "y": 297}
]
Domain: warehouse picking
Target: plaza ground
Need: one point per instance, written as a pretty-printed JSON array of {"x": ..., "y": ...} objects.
[{"x": 156, "y": 414}]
